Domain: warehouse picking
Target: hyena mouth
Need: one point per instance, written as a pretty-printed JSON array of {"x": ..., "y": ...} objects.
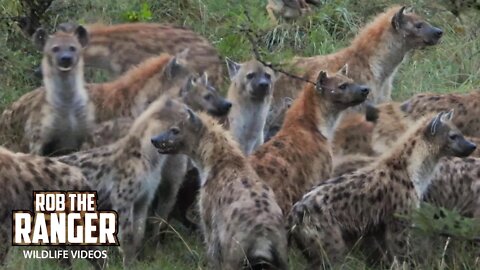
[
  {"x": 431, "y": 42},
  {"x": 165, "y": 148},
  {"x": 64, "y": 69},
  {"x": 219, "y": 112}
]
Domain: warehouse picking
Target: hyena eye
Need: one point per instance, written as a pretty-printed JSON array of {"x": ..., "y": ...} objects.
[
  {"x": 250, "y": 76},
  {"x": 175, "y": 130},
  {"x": 453, "y": 137},
  {"x": 419, "y": 25},
  {"x": 208, "y": 97},
  {"x": 268, "y": 76},
  {"x": 72, "y": 48},
  {"x": 55, "y": 49},
  {"x": 343, "y": 86}
]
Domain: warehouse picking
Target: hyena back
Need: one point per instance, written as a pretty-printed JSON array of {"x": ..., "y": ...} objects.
[
  {"x": 120, "y": 47},
  {"x": 371, "y": 197},
  {"x": 373, "y": 57},
  {"x": 299, "y": 155},
  {"x": 242, "y": 223},
  {"x": 20, "y": 175}
]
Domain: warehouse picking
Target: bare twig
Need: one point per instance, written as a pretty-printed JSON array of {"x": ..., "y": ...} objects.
[
  {"x": 461, "y": 238},
  {"x": 254, "y": 40}
]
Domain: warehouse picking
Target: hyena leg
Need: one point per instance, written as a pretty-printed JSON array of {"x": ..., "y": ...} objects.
[
  {"x": 140, "y": 214},
  {"x": 321, "y": 245},
  {"x": 396, "y": 238},
  {"x": 126, "y": 235},
  {"x": 5, "y": 241},
  {"x": 214, "y": 253},
  {"x": 173, "y": 173}
]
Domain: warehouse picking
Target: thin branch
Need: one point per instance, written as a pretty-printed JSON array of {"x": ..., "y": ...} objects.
[{"x": 254, "y": 40}]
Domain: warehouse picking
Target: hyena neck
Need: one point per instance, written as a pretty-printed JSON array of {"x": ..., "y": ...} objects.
[
  {"x": 137, "y": 150},
  {"x": 65, "y": 92},
  {"x": 310, "y": 112},
  {"x": 247, "y": 121},
  {"x": 415, "y": 157},
  {"x": 216, "y": 152},
  {"x": 390, "y": 53}
]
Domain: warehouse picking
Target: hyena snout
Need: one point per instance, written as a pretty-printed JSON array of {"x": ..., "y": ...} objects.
[
  {"x": 433, "y": 35},
  {"x": 221, "y": 108},
  {"x": 261, "y": 87},
  {"x": 462, "y": 147},
  {"x": 360, "y": 93},
  {"x": 364, "y": 90},
  {"x": 166, "y": 142},
  {"x": 65, "y": 61}
]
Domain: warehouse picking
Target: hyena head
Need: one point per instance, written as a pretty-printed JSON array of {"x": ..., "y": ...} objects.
[
  {"x": 176, "y": 72},
  {"x": 339, "y": 91},
  {"x": 62, "y": 50},
  {"x": 444, "y": 138},
  {"x": 162, "y": 114},
  {"x": 251, "y": 79},
  {"x": 182, "y": 130},
  {"x": 199, "y": 95},
  {"x": 415, "y": 30}
]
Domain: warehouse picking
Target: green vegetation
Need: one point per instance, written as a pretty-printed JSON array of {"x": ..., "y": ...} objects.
[{"x": 451, "y": 66}]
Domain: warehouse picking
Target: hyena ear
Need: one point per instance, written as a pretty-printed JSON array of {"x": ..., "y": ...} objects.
[
  {"x": 448, "y": 116},
  {"x": 287, "y": 102},
  {"x": 82, "y": 35},
  {"x": 344, "y": 70},
  {"x": 188, "y": 86},
  {"x": 233, "y": 67},
  {"x": 321, "y": 79},
  {"x": 173, "y": 68},
  {"x": 435, "y": 123},
  {"x": 40, "y": 38},
  {"x": 183, "y": 55},
  {"x": 194, "y": 120},
  {"x": 204, "y": 78},
  {"x": 397, "y": 19}
]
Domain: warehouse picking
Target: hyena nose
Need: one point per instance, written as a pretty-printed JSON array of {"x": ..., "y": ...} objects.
[
  {"x": 364, "y": 90},
  {"x": 472, "y": 147},
  {"x": 438, "y": 33},
  {"x": 263, "y": 86},
  {"x": 155, "y": 141},
  {"x": 227, "y": 105},
  {"x": 65, "y": 60}
]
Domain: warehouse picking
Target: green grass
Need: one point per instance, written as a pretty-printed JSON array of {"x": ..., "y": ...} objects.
[{"x": 452, "y": 66}]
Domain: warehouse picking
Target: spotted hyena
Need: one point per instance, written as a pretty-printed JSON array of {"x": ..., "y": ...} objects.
[
  {"x": 353, "y": 135},
  {"x": 275, "y": 118},
  {"x": 466, "y": 106},
  {"x": 288, "y": 9},
  {"x": 299, "y": 156},
  {"x": 130, "y": 94},
  {"x": 57, "y": 118},
  {"x": 390, "y": 122},
  {"x": 20, "y": 175},
  {"x": 251, "y": 93},
  {"x": 128, "y": 171},
  {"x": 119, "y": 47},
  {"x": 196, "y": 93},
  {"x": 373, "y": 57},
  {"x": 242, "y": 223},
  {"x": 371, "y": 197}
]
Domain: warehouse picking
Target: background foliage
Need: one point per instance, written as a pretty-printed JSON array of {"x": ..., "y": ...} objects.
[{"x": 452, "y": 66}]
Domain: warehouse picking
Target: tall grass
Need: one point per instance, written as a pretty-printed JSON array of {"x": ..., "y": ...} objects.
[{"x": 450, "y": 66}]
